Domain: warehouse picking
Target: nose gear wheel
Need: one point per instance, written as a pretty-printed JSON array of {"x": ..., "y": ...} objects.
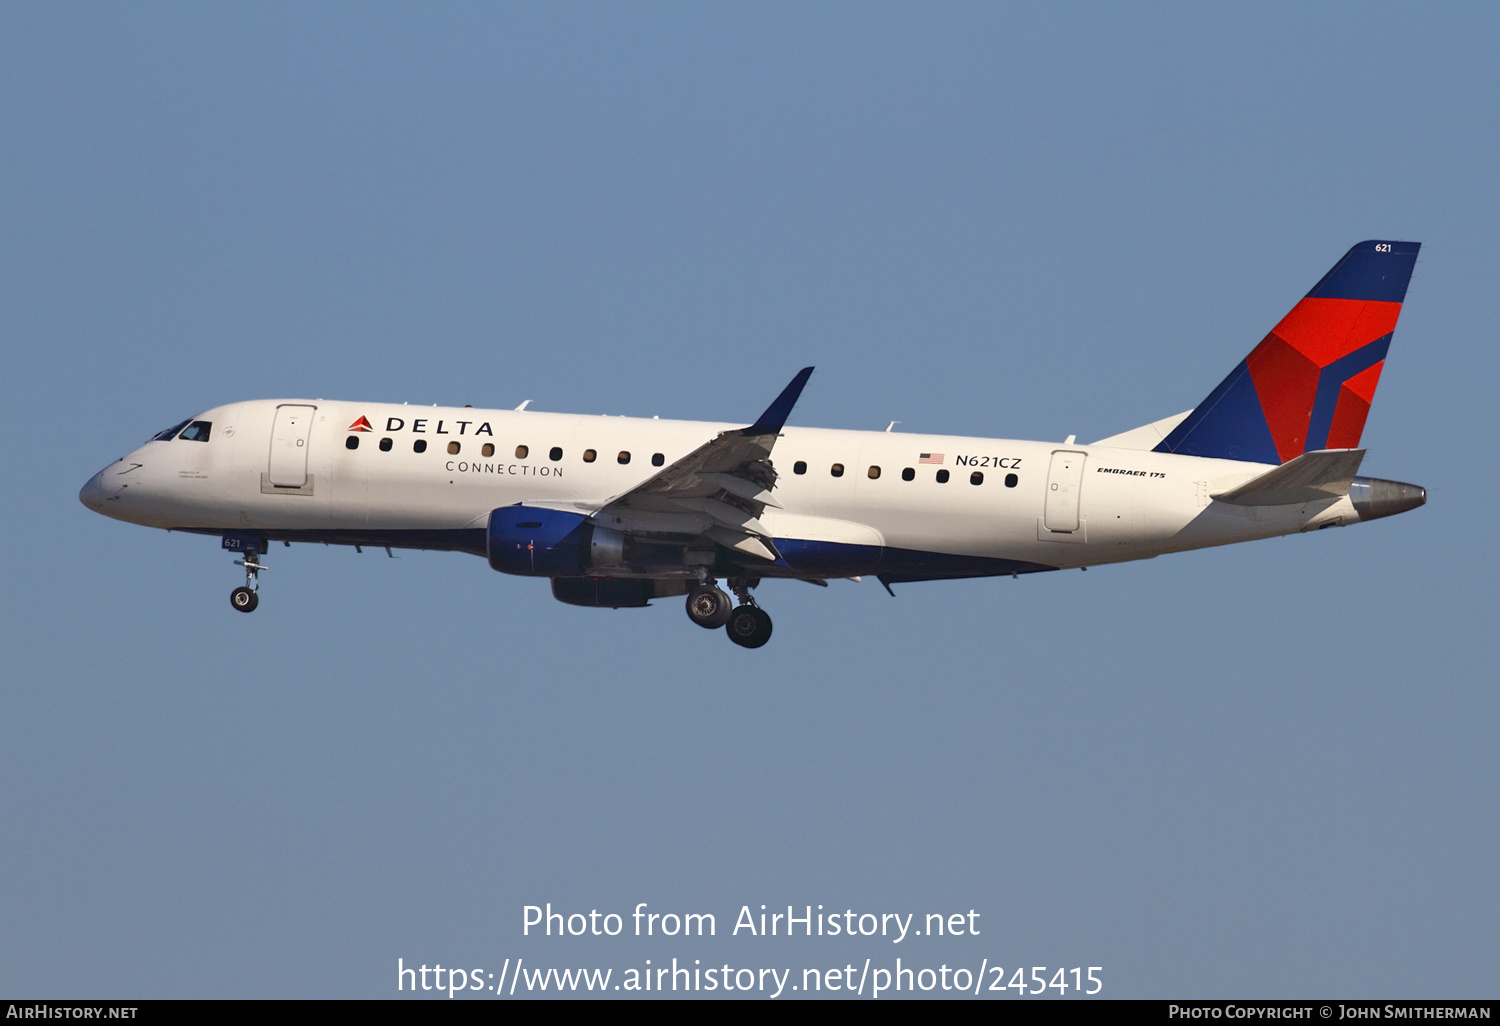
[{"x": 246, "y": 597}]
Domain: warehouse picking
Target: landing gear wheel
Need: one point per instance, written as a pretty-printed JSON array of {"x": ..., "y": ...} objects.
[
  {"x": 246, "y": 598},
  {"x": 708, "y": 606},
  {"x": 749, "y": 626}
]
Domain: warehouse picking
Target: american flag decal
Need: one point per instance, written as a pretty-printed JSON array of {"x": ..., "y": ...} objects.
[{"x": 931, "y": 457}]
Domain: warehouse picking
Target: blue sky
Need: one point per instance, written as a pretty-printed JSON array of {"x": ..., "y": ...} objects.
[{"x": 1266, "y": 770}]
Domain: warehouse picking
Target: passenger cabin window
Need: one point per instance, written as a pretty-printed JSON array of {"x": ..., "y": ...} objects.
[
  {"x": 169, "y": 433},
  {"x": 874, "y": 473},
  {"x": 420, "y": 445},
  {"x": 942, "y": 477},
  {"x": 385, "y": 445},
  {"x": 521, "y": 452},
  {"x": 976, "y": 478},
  {"x": 624, "y": 457},
  {"x": 589, "y": 455},
  {"x": 487, "y": 449},
  {"x": 555, "y": 454},
  {"x": 1011, "y": 480},
  {"x": 453, "y": 448},
  {"x": 657, "y": 459},
  {"x": 908, "y": 474},
  {"x": 197, "y": 431},
  {"x": 800, "y": 467},
  {"x": 352, "y": 442}
]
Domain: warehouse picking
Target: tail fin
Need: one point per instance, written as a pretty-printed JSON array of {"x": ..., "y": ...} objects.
[{"x": 1310, "y": 382}]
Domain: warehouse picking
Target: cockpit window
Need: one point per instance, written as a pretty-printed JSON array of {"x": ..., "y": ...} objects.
[
  {"x": 169, "y": 433},
  {"x": 197, "y": 431}
]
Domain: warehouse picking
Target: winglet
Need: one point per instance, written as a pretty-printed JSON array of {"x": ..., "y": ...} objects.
[{"x": 771, "y": 421}]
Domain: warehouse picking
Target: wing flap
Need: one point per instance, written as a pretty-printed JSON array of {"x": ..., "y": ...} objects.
[
  {"x": 750, "y": 491},
  {"x": 724, "y": 513},
  {"x": 757, "y": 546}
]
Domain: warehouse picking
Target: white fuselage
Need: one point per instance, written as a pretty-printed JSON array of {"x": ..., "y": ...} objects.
[{"x": 283, "y": 468}]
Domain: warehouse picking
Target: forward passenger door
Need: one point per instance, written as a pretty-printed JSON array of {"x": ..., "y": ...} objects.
[{"x": 290, "y": 434}]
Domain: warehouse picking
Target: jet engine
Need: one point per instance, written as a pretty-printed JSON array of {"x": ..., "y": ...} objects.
[
  {"x": 550, "y": 543},
  {"x": 614, "y": 592},
  {"x": 604, "y": 592}
]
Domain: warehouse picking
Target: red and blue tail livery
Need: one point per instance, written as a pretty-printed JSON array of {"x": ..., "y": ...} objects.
[{"x": 1310, "y": 382}]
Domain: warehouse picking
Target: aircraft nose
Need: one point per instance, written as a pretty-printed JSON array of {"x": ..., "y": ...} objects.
[
  {"x": 101, "y": 492},
  {"x": 92, "y": 493}
]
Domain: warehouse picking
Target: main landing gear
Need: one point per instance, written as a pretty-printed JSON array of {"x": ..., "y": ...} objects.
[
  {"x": 246, "y": 597},
  {"x": 747, "y": 625},
  {"x": 708, "y": 606}
]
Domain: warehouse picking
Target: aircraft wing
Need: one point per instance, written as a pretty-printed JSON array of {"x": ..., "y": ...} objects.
[{"x": 720, "y": 489}]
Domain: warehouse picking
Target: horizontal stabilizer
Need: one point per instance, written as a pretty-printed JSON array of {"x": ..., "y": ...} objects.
[{"x": 1321, "y": 474}]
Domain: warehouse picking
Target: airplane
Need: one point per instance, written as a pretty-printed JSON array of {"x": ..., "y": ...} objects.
[{"x": 619, "y": 511}]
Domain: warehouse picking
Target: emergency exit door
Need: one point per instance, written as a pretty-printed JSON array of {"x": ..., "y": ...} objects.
[
  {"x": 290, "y": 435},
  {"x": 1064, "y": 482}
]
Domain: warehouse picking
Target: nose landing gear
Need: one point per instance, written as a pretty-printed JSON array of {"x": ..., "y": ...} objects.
[{"x": 246, "y": 597}]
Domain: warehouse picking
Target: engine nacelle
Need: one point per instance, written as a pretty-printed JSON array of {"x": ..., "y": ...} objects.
[
  {"x": 550, "y": 543},
  {"x": 613, "y": 592},
  {"x": 606, "y": 592},
  {"x": 536, "y": 542}
]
